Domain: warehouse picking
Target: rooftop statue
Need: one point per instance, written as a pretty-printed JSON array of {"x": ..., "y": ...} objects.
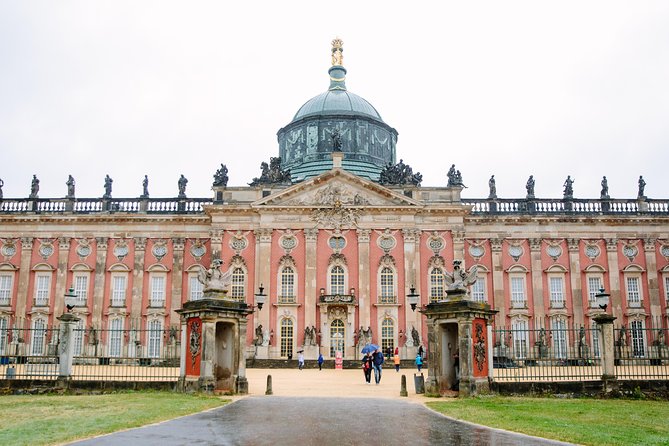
[
  {"x": 221, "y": 176},
  {"x": 530, "y": 187},
  {"x": 568, "y": 187},
  {"x": 492, "y": 187},
  {"x": 642, "y": 186},
  {"x": 604, "y": 195},
  {"x": 336, "y": 141},
  {"x": 400, "y": 174},
  {"x": 34, "y": 187},
  {"x": 272, "y": 173},
  {"x": 70, "y": 186},
  {"x": 337, "y": 52},
  {"x": 183, "y": 181},
  {"x": 2, "y": 183},
  {"x": 145, "y": 187},
  {"x": 214, "y": 279},
  {"x": 460, "y": 279},
  {"x": 454, "y": 177},
  {"x": 108, "y": 187}
]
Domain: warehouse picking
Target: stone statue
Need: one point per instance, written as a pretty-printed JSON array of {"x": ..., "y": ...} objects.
[
  {"x": 108, "y": 187},
  {"x": 182, "y": 186},
  {"x": 622, "y": 337},
  {"x": 493, "y": 188},
  {"x": 642, "y": 186},
  {"x": 2, "y": 183},
  {"x": 399, "y": 174},
  {"x": 221, "y": 176},
  {"x": 34, "y": 187},
  {"x": 460, "y": 279},
  {"x": 415, "y": 337},
  {"x": 337, "y": 52},
  {"x": 660, "y": 337},
  {"x": 336, "y": 141},
  {"x": 214, "y": 279},
  {"x": 530, "y": 187},
  {"x": 259, "y": 336},
  {"x": 265, "y": 338},
  {"x": 145, "y": 187},
  {"x": 568, "y": 187},
  {"x": 272, "y": 173},
  {"x": 308, "y": 336},
  {"x": 604, "y": 195},
  {"x": 454, "y": 177},
  {"x": 70, "y": 186}
]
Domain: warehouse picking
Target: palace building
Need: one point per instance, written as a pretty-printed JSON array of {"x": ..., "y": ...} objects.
[{"x": 337, "y": 233}]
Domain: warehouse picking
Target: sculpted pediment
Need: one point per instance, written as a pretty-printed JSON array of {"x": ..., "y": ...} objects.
[{"x": 338, "y": 188}]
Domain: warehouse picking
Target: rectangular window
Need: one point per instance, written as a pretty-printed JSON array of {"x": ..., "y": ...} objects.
[
  {"x": 115, "y": 337},
  {"x": 518, "y": 299},
  {"x": 238, "y": 286},
  {"x": 478, "y": 290},
  {"x": 78, "y": 333},
  {"x": 155, "y": 338},
  {"x": 6, "y": 281},
  {"x": 286, "y": 338},
  {"x": 387, "y": 336},
  {"x": 595, "y": 340},
  {"x": 157, "y": 291},
  {"x": 437, "y": 285},
  {"x": 38, "y": 337},
  {"x": 119, "y": 285},
  {"x": 557, "y": 292},
  {"x": 666, "y": 288},
  {"x": 633, "y": 292},
  {"x": 4, "y": 335},
  {"x": 560, "y": 338},
  {"x": 42, "y": 289},
  {"x": 195, "y": 288},
  {"x": 520, "y": 335},
  {"x": 638, "y": 342},
  {"x": 81, "y": 288},
  {"x": 287, "y": 286},
  {"x": 594, "y": 284}
]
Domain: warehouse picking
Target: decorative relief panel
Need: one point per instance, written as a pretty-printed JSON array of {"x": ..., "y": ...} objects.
[
  {"x": 554, "y": 251},
  {"x": 239, "y": 242},
  {"x": 198, "y": 250},
  {"x": 387, "y": 260},
  {"x": 436, "y": 243},
  {"x": 159, "y": 249},
  {"x": 630, "y": 251},
  {"x": 515, "y": 251},
  {"x": 337, "y": 259},
  {"x": 592, "y": 251},
  {"x": 664, "y": 250},
  {"x": 288, "y": 241},
  {"x": 45, "y": 249},
  {"x": 8, "y": 249},
  {"x": 475, "y": 250},
  {"x": 386, "y": 241},
  {"x": 121, "y": 249},
  {"x": 83, "y": 249}
]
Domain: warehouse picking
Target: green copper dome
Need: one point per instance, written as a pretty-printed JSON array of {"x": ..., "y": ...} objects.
[{"x": 307, "y": 142}]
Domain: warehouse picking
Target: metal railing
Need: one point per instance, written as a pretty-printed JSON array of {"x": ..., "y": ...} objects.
[
  {"x": 29, "y": 353},
  {"x": 641, "y": 351}
]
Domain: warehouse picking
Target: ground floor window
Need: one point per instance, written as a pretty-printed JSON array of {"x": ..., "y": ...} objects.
[
  {"x": 286, "y": 337},
  {"x": 155, "y": 338},
  {"x": 336, "y": 337},
  {"x": 638, "y": 343},
  {"x": 388, "y": 335}
]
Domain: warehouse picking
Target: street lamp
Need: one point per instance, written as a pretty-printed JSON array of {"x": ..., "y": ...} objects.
[
  {"x": 602, "y": 298},
  {"x": 260, "y": 297},
  {"x": 70, "y": 299},
  {"x": 413, "y": 297}
]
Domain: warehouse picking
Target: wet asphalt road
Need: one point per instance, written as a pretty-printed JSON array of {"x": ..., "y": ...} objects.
[{"x": 315, "y": 421}]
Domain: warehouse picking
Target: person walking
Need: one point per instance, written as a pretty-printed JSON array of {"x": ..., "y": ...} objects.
[
  {"x": 377, "y": 363},
  {"x": 419, "y": 362},
  {"x": 396, "y": 360},
  {"x": 367, "y": 367},
  {"x": 300, "y": 360},
  {"x": 320, "y": 361}
]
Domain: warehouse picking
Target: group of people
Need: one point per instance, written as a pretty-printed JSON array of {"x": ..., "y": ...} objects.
[{"x": 373, "y": 361}]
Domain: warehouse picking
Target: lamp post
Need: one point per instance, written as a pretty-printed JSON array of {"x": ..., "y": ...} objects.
[
  {"x": 413, "y": 297},
  {"x": 602, "y": 298},
  {"x": 70, "y": 299},
  {"x": 260, "y": 297}
]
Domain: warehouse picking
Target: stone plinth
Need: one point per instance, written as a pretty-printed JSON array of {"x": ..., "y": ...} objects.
[
  {"x": 213, "y": 356},
  {"x": 460, "y": 345}
]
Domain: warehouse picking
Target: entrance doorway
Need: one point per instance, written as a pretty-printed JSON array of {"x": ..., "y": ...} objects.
[{"x": 337, "y": 336}]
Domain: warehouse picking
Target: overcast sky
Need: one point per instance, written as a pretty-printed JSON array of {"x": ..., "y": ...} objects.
[{"x": 509, "y": 88}]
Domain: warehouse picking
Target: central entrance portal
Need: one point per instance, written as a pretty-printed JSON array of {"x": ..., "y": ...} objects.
[
  {"x": 337, "y": 322},
  {"x": 337, "y": 336}
]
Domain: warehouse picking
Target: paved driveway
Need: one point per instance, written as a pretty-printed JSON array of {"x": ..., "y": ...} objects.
[{"x": 321, "y": 421}]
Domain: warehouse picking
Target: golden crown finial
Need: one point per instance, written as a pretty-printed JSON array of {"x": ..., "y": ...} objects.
[{"x": 337, "y": 51}]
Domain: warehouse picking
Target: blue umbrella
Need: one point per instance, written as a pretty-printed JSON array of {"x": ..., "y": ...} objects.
[{"x": 370, "y": 348}]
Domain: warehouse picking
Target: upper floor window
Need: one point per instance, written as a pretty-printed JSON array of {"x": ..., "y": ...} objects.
[
  {"x": 387, "y": 286},
  {"x": 119, "y": 285},
  {"x": 594, "y": 285},
  {"x": 42, "y": 289},
  {"x": 337, "y": 285},
  {"x": 158, "y": 286},
  {"x": 478, "y": 290},
  {"x": 437, "y": 288},
  {"x": 666, "y": 288},
  {"x": 518, "y": 297},
  {"x": 556, "y": 285},
  {"x": 6, "y": 284},
  {"x": 196, "y": 291},
  {"x": 633, "y": 291},
  {"x": 287, "y": 285},
  {"x": 238, "y": 286},
  {"x": 81, "y": 288}
]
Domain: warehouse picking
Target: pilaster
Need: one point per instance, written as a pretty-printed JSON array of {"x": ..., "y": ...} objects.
[
  {"x": 138, "y": 278},
  {"x": 576, "y": 287},
  {"x": 537, "y": 280},
  {"x": 216, "y": 236},
  {"x": 364, "y": 298},
  {"x": 24, "y": 276},
  {"x": 263, "y": 237},
  {"x": 99, "y": 280},
  {"x": 177, "y": 276},
  {"x": 61, "y": 274},
  {"x": 653, "y": 276},
  {"x": 614, "y": 277},
  {"x": 412, "y": 275},
  {"x": 310, "y": 292},
  {"x": 498, "y": 280}
]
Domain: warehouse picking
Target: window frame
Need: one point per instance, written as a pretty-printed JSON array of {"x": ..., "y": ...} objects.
[
  {"x": 387, "y": 285},
  {"x": 6, "y": 288},
  {"x": 437, "y": 284},
  {"x": 287, "y": 283}
]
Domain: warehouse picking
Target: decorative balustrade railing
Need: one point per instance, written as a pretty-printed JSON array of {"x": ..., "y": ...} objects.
[
  {"x": 560, "y": 206},
  {"x": 98, "y": 205}
]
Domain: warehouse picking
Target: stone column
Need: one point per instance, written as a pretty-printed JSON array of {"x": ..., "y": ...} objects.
[
  {"x": 177, "y": 275},
  {"x": 68, "y": 322},
  {"x": 138, "y": 278},
  {"x": 263, "y": 238},
  {"x": 310, "y": 291},
  {"x": 653, "y": 277},
  {"x": 242, "y": 384},
  {"x": 537, "y": 280},
  {"x": 99, "y": 280},
  {"x": 614, "y": 277},
  {"x": 433, "y": 335},
  {"x": 61, "y": 274},
  {"x": 24, "y": 276},
  {"x": 498, "y": 281},
  {"x": 466, "y": 348},
  {"x": 576, "y": 289},
  {"x": 364, "y": 278},
  {"x": 605, "y": 325},
  {"x": 412, "y": 276}
]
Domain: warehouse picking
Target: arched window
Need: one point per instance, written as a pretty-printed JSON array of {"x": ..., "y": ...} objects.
[
  {"x": 337, "y": 285},
  {"x": 336, "y": 337},
  {"x": 287, "y": 336},
  {"x": 437, "y": 289},
  {"x": 155, "y": 338},
  {"x": 238, "y": 286},
  {"x": 115, "y": 337},
  {"x": 287, "y": 285},
  {"x": 388, "y": 334},
  {"x": 387, "y": 286}
]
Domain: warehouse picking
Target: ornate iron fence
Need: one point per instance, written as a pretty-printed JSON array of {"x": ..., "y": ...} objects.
[
  {"x": 641, "y": 350},
  {"x": 29, "y": 353}
]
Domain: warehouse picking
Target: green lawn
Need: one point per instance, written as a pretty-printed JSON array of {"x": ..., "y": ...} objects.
[
  {"x": 50, "y": 419},
  {"x": 582, "y": 421}
]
